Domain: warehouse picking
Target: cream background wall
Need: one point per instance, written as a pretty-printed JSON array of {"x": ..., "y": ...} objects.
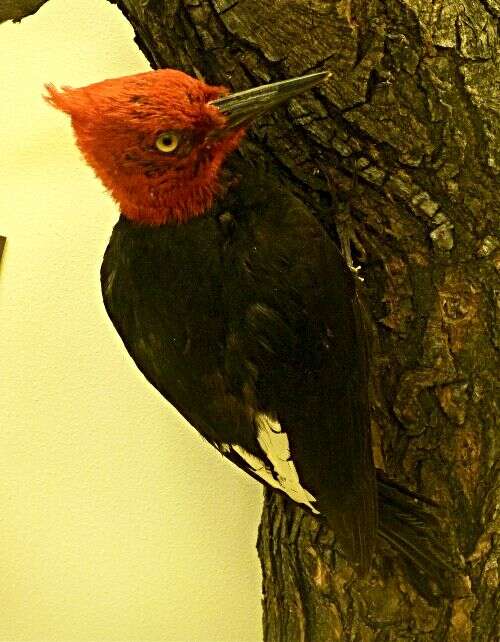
[{"x": 116, "y": 521}]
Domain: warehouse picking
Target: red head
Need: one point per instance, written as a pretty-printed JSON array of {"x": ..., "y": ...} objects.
[
  {"x": 157, "y": 140},
  {"x": 147, "y": 137}
]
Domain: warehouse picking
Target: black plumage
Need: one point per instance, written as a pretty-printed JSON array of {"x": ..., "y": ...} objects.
[{"x": 251, "y": 309}]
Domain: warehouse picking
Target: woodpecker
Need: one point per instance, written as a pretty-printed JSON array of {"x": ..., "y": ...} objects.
[{"x": 236, "y": 304}]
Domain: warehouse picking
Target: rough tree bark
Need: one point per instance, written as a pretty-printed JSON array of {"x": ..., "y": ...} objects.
[
  {"x": 15, "y": 10},
  {"x": 412, "y": 110}
]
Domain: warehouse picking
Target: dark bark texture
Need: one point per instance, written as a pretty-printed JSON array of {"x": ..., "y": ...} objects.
[
  {"x": 16, "y": 10},
  {"x": 412, "y": 112}
]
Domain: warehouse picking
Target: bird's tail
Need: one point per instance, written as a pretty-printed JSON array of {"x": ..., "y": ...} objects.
[{"x": 406, "y": 523}]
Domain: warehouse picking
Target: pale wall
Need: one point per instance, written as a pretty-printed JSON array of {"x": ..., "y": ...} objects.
[{"x": 116, "y": 521}]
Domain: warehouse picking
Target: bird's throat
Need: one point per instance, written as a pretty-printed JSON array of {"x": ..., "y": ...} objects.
[
  {"x": 177, "y": 207},
  {"x": 162, "y": 203}
]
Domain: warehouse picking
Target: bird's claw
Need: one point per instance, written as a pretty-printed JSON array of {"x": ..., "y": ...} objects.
[
  {"x": 355, "y": 269},
  {"x": 343, "y": 222},
  {"x": 349, "y": 237}
]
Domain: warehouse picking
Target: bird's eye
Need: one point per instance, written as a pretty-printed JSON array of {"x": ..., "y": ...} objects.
[{"x": 167, "y": 142}]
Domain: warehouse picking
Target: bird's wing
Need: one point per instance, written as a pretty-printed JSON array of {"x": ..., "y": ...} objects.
[
  {"x": 255, "y": 336},
  {"x": 295, "y": 351}
]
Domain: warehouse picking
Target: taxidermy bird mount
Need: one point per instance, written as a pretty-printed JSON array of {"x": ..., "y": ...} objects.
[{"x": 236, "y": 304}]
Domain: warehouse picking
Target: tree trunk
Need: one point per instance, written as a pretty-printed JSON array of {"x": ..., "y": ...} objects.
[
  {"x": 15, "y": 10},
  {"x": 411, "y": 112}
]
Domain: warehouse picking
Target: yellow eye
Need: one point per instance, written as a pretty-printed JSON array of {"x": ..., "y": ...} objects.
[{"x": 167, "y": 142}]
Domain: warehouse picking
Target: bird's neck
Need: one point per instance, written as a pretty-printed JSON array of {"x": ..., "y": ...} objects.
[{"x": 166, "y": 203}]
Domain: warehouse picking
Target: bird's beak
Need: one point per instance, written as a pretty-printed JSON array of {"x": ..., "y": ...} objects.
[{"x": 243, "y": 107}]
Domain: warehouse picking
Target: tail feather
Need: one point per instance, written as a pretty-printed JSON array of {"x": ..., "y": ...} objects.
[{"x": 407, "y": 525}]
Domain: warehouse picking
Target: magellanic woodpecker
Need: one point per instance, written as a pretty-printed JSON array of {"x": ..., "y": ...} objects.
[{"x": 235, "y": 303}]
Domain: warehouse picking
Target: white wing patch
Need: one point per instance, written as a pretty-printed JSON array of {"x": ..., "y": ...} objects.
[
  {"x": 257, "y": 465},
  {"x": 279, "y": 471}
]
